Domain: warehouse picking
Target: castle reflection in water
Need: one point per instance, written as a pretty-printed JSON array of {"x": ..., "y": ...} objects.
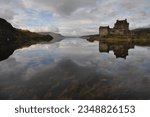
[{"x": 120, "y": 49}]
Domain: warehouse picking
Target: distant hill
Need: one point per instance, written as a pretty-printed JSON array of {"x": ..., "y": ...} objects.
[
  {"x": 12, "y": 38},
  {"x": 142, "y": 33},
  {"x": 56, "y": 36},
  {"x": 142, "y": 30}
]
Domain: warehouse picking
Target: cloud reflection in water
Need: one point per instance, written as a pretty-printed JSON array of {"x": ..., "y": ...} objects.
[{"x": 74, "y": 69}]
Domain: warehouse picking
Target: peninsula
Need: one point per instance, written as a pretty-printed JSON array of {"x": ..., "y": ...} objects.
[{"x": 12, "y": 38}]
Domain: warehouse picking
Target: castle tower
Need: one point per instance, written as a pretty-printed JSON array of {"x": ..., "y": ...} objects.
[
  {"x": 121, "y": 27},
  {"x": 104, "y": 31}
]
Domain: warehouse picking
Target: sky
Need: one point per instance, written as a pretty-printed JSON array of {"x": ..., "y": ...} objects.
[{"x": 74, "y": 17}]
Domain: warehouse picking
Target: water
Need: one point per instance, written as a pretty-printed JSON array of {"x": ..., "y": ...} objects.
[{"x": 77, "y": 69}]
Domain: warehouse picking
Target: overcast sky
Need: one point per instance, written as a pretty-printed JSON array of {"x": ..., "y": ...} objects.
[{"x": 74, "y": 17}]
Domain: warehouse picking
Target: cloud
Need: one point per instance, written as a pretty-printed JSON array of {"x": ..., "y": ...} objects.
[
  {"x": 66, "y": 7},
  {"x": 42, "y": 29},
  {"x": 7, "y": 14},
  {"x": 11, "y": 8},
  {"x": 73, "y": 17},
  {"x": 7, "y": 9}
]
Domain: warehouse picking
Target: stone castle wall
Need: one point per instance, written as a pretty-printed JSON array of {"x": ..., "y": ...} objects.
[{"x": 121, "y": 27}]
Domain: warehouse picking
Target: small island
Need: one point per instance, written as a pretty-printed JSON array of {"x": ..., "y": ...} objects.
[{"x": 121, "y": 32}]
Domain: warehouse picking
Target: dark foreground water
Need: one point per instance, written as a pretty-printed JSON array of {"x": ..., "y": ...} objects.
[{"x": 77, "y": 69}]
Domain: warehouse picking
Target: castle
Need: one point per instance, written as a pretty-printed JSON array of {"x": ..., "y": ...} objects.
[{"x": 121, "y": 27}]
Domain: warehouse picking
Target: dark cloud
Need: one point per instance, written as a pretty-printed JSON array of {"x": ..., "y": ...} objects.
[{"x": 65, "y": 7}]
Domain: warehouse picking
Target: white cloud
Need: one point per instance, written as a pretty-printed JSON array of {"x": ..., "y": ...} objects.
[{"x": 43, "y": 29}]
